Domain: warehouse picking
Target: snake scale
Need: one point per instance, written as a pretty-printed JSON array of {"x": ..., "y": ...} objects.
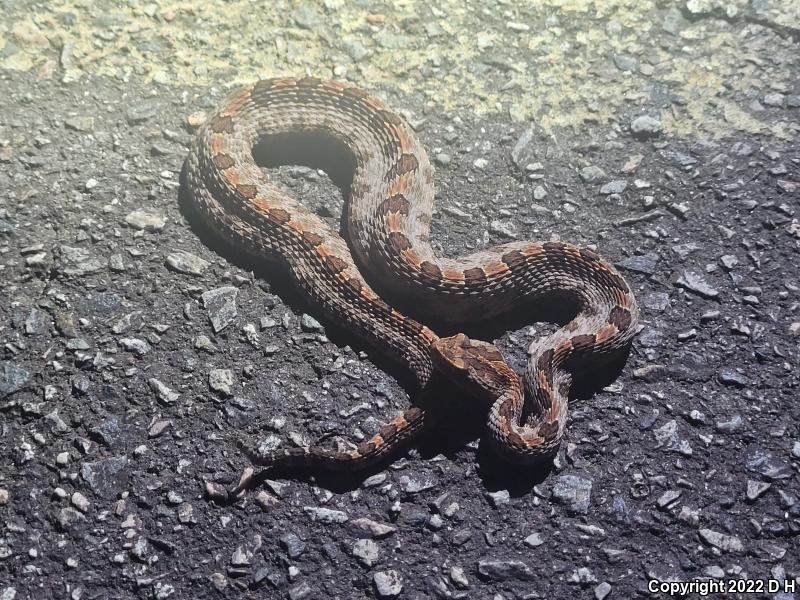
[{"x": 388, "y": 223}]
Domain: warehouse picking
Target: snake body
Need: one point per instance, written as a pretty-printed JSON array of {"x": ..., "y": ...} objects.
[{"x": 388, "y": 224}]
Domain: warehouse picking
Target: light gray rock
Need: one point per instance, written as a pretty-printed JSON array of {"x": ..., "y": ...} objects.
[
  {"x": 37, "y": 323},
  {"x": 77, "y": 262},
  {"x": 573, "y": 491},
  {"x": 135, "y": 345},
  {"x": 592, "y": 174},
  {"x": 186, "y": 262},
  {"x": 614, "y": 187},
  {"x": 375, "y": 529},
  {"x": 221, "y": 306},
  {"x": 147, "y": 220},
  {"x": 310, "y": 324},
  {"x": 388, "y": 584},
  {"x": 764, "y": 463},
  {"x": 221, "y": 381},
  {"x": 293, "y": 545},
  {"x": 505, "y": 570},
  {"x": 325, "y": 515},
  {"x": 645, "y": 126},
  {"x": 366, "y": 551},
  {"x": 756, "y": 489},
  {"x": 728, "y": 543},
  {"x": 162, "y": 392},
  {"x": 641, "y": 263},
  {"x": 602, "y": 590},
  {"x": 107, "y": 476},
  {"x": 12, "y": 378},
  {"x": 499, "y": 498},
  {"x": 697, "y": 284},
  {"x": 534, "y": 540}
]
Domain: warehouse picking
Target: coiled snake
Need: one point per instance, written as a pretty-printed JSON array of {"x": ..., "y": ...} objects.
[{"x": 388, "y": 221}]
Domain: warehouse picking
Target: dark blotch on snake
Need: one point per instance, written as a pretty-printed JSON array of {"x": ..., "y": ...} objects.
[
  {"x": 336, "y": 264},
  {"x": 618, "y": 282},
  {"x": 514, "y": 259},
  {"x": 621, "y": 317},
  {"x": 308, "y": 82},
  {"x": 545, "y": 362},
  {"x": 398, "y": 241},
  {"x": 415, "y": 326},
  {"x": 366, "y": 448},
  {"x": 223, "y": 161},
  {"x": 474, "y": 275},
  {"x": 354, "y": 284},
  {"x": 588, "y": 255},
  {"x": 405, "y": 164},
  {"x": 312, "y": 238},
  {"x": 279, "y": 215},
  {"x": 388, "y": 431},
  {"x": 247, "y": 191},
  {"x": 355, "y": 92},
  {"x": 549, "y": 429},
  {"x": 391, "y": 118},
  {"x": 554, "y": 246},
  {"x": 262, "y": 87},
  {"x": 220, "y": 124},
  {"x": 431, "y": 270},
  {"x": 585, "y": 340},
  {"x": 395, "y": 204}
]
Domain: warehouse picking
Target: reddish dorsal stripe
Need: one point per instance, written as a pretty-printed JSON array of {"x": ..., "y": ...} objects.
[
  {"x": 517, "y": 438},
  {"x": 412, "y": 258},
  {"x": 494, "y": 269},
  {"x": 332, "y": 86},
  {"x": 533, "y": 250},
  {"x": 282, "y": 84},
  {"x": 563, "y": 349},
  {"x": 382, "y": 305},
  {"x": 453, "y": 276},
  {"x": 501, "y": 273}
]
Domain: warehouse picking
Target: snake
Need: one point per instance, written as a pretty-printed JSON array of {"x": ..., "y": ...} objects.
[{"x": 389, "y": 209}]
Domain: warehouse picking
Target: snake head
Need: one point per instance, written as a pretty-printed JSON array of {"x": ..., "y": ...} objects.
[{"x": 476, "y": 366}]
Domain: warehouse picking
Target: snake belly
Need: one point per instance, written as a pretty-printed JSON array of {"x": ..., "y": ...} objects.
[{"x": 388, "y": 223}]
